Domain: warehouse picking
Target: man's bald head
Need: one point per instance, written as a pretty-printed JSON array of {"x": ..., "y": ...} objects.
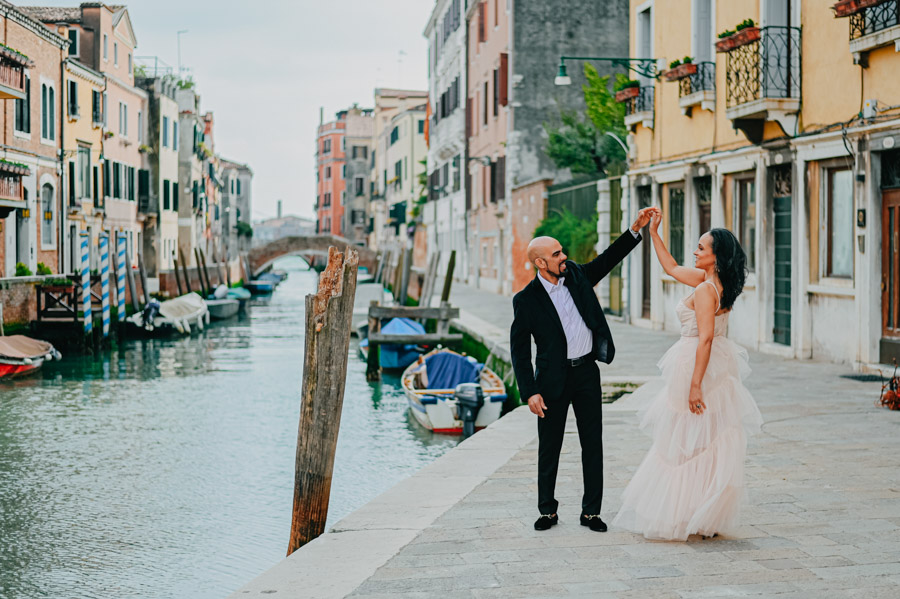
[{"x": 540, "y": 247}]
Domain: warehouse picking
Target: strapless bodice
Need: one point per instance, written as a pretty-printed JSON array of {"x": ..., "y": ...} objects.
[{"x": 688, "y": 320}]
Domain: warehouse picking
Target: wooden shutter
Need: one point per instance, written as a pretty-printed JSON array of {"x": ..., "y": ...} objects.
[
  {"x": 496, "y": 92},
  {"x": 482, "y": 29},
  {"x": 468, "y": 117},
  {"x": 504, "y": 79}
]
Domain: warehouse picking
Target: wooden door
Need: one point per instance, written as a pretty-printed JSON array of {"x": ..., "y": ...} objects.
[
  {"x": 890, "y": 266},
  {"x": 644, "y": 202},
  {"x": 781, "y": 332}
]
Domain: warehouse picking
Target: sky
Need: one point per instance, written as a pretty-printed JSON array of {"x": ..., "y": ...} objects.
[{"x": 265, "y": 67}]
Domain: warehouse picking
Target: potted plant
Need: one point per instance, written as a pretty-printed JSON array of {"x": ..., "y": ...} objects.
[
  {"x": 58, "y": 285},
  {"x": 845, "y": 8},
  {"x": 627, "y": 90},
  {"x": 744, "y": 33},
  {"x": 679, "y": 69}
]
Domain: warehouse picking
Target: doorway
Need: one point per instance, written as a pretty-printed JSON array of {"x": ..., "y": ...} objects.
[
  {"x": 890, "y": 276},
  {"x": 643, "y": 198}
]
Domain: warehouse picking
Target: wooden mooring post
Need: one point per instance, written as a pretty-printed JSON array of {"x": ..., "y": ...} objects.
[
  {"x": 448, "y": 278},
  {"x": 184, "y": 270},
  {"x": 329, "y": 314},
  {"x": 142, "y": 269},
  {"x": 129, "y": 274},
  {"x": 177, "y": 276},
  {"x": 373, "y": 359}
]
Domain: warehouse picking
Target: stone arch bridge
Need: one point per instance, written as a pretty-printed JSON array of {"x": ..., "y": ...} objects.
[{"x": 261, "y": 257}]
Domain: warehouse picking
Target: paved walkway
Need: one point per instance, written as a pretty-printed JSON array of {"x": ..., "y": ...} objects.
[{"x": 822, "y": 517}]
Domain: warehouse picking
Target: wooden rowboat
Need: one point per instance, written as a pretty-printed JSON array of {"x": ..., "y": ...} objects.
[
  {"x": 434, "y": 406},
  {"x": 21, "y": 355}
]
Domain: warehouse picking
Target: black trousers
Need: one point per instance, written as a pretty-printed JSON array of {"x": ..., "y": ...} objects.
[{"x": 582, "y": 390}]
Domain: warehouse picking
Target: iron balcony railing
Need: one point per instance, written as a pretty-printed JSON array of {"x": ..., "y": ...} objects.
[
  {"x": 643, "y": 102},
  {"x": 874, "y": 19},
  {"x": 766, "y": 68},
  {"x": 703, "y": 80}
]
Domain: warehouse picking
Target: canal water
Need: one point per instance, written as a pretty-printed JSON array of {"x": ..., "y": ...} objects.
[{"x": 165, "y": 468}]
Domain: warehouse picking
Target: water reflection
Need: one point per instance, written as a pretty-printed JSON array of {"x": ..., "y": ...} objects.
[{"x": 165, "y": 468}]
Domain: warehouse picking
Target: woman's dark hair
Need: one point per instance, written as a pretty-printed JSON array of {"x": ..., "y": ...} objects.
[{"x": 731, "y": 264}]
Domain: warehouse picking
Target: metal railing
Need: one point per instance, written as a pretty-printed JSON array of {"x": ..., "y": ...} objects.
[
  {"x": 643, "y": 102},
  {"x": 766, "y": 68},
  {"x": 703, "y": 80},
  {"x": 874, "y": 19}
]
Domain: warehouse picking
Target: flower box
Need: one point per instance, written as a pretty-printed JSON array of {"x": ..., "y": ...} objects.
[
  {"x": 627, "y": 94},
  {"x": 741, "y": 38},
  {"x": 845, "y": 8},
  {"x": 681, "y": 71}
]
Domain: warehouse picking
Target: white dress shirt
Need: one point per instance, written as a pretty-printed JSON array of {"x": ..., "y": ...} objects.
[{"x": 579, "y": 340}]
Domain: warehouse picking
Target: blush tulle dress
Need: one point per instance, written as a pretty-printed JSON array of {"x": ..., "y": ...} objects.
[{"x": 692, "y": 479}]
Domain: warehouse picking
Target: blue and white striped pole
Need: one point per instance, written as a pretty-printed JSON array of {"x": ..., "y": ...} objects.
[
  {"x": 104, "y": 280},
  {"x": 120, "y": 277},
  {"x": 86, "y": 282}
]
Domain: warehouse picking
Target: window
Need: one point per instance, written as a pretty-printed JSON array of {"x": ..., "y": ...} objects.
[
  {"x": 703, "y": 30},
  {"x": 838, "y": 225},
  {"x": 395, "y": 135},
  {"x": 327, "y": 173},
  {"x": 116, "y": 53},
  {"x": 174, "y": 135},
  {"x": 676, "y": 223},
  {"x": 165, "y": 132},
  {"x": 104, "y": 111},
  {"x": 48, "y": 112},
  {"x": 485, "y": 108},
  {"x": 398, "y": 172},
  {"x": 745, "y": 218},
  {"x": 482, "y": 25},
  {"x": 343, "y": 171},
  {"x": 239, "y": 187},
  {"x": 421, "y": 127},
  {"x": 130, "y": 66},
  {"x": 496, "y": 90},
  {"x": 73, "y": 42},
  {"x": 326, "y": 146},
  {"x": 117, "y": 180},
  {"x": 360, "y": 185},
  {"x": 343, "y": 197},
  {"x": 23, "y": 110},
  {"x": 703, "y": 188},
  {"x": 140, "y": 127},
  {"x": 105, "y": 47},
  {"x": 360, "y": 152},
  {"x": 175, "y": 196},
  {"x": 166, "y": 198},
  {"x": 73, "y": 99},
  {"x": 47, "y": 215},
  {"x": 645, "y": 38},
  {"x": 84, "y": 172},
  {"x": 123, "y": 119}
]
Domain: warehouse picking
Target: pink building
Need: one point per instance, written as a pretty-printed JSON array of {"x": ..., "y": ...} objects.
[{"x": 330, "y": 175}]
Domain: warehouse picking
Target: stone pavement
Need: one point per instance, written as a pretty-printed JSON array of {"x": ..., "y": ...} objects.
[{"x": 822, "y": 517}]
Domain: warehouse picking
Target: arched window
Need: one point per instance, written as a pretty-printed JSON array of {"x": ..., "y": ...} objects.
[{"x": 47, "y": 214}]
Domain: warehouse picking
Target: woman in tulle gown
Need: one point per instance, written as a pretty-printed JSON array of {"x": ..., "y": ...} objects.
[{"x": 691, "y": 481}]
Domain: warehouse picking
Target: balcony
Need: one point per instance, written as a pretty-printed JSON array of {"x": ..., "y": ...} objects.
[
  {"x": 12, "y": 191},
  {"x": 12, "y": 73},
  {"x": 639, "y": 109},
  {"x": 763, "y": 82},
  {"x": 698, "y": 88},
  {"x": 873, "y": 24}
]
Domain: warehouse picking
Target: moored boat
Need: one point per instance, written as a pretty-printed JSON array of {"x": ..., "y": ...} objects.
[
  {"x": 259, "y": 287},
  {"x": 396, "y": 356},
  {"x": 180, "y": 314},
  {"x": 434, "y": 386},
  {"x": 21, "y": 355},
  {"x": 220, "y": 309}
]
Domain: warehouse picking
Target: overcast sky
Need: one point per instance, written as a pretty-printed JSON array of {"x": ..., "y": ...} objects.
[{"x": 264, "y": 67}]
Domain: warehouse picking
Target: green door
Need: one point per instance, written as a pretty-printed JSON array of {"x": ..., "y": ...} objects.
[{"x": 782, "y": 330}]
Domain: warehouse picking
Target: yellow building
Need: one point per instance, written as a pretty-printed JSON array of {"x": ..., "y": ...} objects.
[
  {"x": 82, "y": 149},
  {"x": 787, "y": 132}
]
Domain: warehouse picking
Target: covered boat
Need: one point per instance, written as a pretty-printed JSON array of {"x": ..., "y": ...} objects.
[
  {"x": 220, "y": 309},
  {"x": 432, "y": 388},
  {"x": 179, "y": 314},
  {"x": 260, "y": 287},
  {"x": 397, "y": 357},
  {"x": 21, "y": 355}
]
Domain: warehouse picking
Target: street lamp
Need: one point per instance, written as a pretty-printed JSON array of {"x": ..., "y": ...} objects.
[{"x": 646, "y": 67}]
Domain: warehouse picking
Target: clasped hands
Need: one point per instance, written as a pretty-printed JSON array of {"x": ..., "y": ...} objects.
[{"x": 644, "y": 216}]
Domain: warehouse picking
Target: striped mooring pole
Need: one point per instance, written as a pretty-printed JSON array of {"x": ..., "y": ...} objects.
[
  {"x": 120, "y": 277},
  {"x": 104, "y": 280},
  {"x": 86, "y": 282}
]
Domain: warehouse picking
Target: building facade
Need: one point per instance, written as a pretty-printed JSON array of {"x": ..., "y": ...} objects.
[
  {"x": 34, "y": 224},
  {"x": 237, "y": 199},
  {"x": 784, "y": 134},
  {"x": 445, "y": 215},
  {"x": 359, "y": 144},
  {"x": 193, "y": 154},
  {"x": 331, "y": 192},
  {"x": 404, "y": 151}
]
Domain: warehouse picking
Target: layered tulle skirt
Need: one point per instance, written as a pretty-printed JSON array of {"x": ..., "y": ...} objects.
[{"x": 692, "y": 479}]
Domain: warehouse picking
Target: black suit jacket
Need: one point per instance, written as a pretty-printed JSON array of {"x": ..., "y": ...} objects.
[{"x": 536, "y": 316}]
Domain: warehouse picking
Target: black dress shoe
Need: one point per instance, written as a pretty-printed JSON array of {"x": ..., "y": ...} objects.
[
  {"x": 593, "y": 522},
  {"x": 546, "y": 521}
]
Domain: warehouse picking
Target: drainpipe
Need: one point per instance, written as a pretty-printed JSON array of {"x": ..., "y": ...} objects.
[{"x": 61, "y": 171}]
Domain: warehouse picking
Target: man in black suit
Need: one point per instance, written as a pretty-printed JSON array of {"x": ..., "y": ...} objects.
[{"x": 560, "y": 310}]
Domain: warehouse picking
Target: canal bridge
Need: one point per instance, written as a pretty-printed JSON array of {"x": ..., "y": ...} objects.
[{"x": 306, "y": 246}]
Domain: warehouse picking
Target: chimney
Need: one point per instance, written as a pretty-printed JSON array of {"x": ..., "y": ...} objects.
[{"x": 279, "y": 208}]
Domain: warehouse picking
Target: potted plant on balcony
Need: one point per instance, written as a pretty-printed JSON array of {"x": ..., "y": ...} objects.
[
  {"x": 679, "y": 69},
  {"x": 845, "y": 8},
  {"x": 627, "y": 90},
  {"x": 744, "y": 33}
]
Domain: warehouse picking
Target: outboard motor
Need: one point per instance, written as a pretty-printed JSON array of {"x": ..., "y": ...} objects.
[
  {"x": 149, "y": 314},
  {"x": 469, "y": 400}
]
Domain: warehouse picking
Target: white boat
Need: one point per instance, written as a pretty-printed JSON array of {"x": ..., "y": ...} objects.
[
  {"x": 179, "y": 314},
  {"x": 430, "y": 383},
  {"x": 220, "y": 309}
]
